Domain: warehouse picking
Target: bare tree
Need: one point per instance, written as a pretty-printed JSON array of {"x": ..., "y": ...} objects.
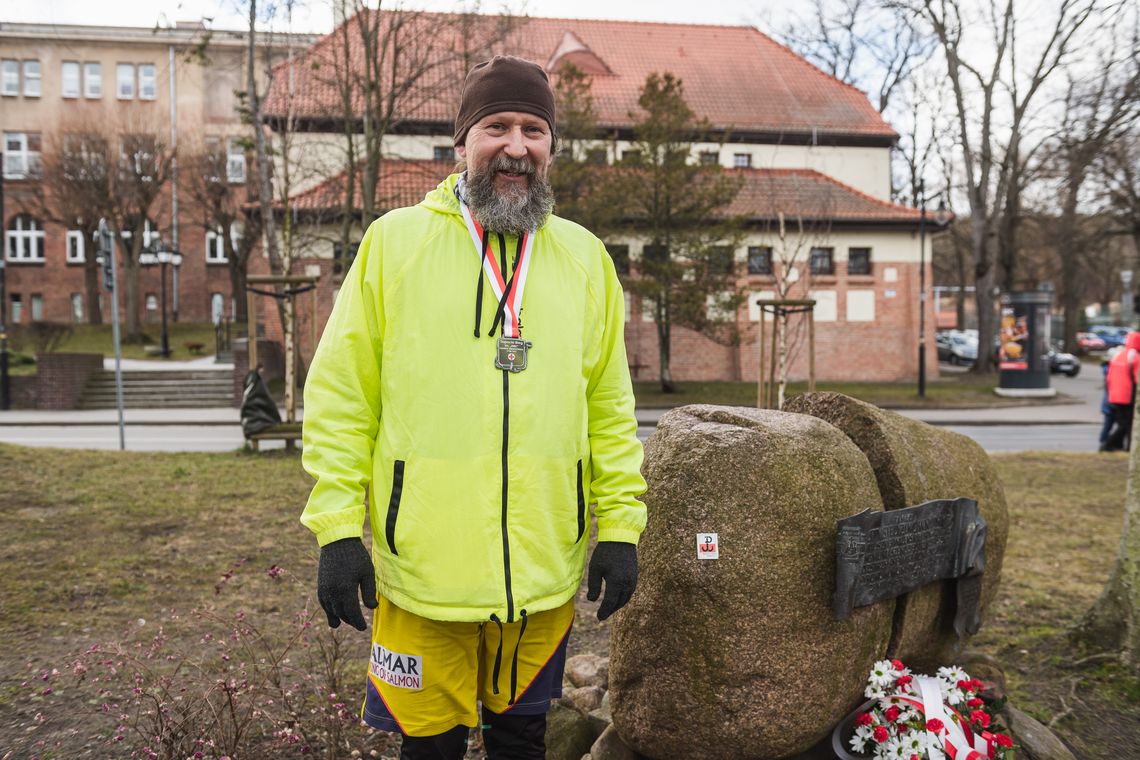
[
  {"x": 225, "y": 208},
  {"x": 988, "y": 137},
  {"x": 75, "y": 191},
  {"x": 1098, "y": 112}
]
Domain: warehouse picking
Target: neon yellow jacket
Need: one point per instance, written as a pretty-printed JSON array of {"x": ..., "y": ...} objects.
[{"x": 477, "y": 479}]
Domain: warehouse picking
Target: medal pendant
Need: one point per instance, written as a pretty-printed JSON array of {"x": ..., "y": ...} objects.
[{"x": 511, "y": 354}]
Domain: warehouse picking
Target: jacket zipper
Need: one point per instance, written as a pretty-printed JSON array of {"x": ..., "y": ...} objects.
[{"x": 506, "y": 441}]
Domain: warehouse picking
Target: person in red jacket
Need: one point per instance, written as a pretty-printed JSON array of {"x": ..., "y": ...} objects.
[{"x": 1123, "y": 374}]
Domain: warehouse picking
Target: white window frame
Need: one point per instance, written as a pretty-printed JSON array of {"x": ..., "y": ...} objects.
[
  {"x": 76, "y": 243},
  {"x": 33, "y": 78},
  {"x": 36, "y": 307},
  {"x": 741, "y": 160},
  {"x": 24, "y": 244},
  {"x": 147, "y": 81},
  {"x": 92, "y": 80},
  {"x": 10, "y": 77},
  {"x": 216, "y": 247},
  {"x": 77, "y": 312},
  {"x": 144, "y": 163},
  {"x": 235, "y": 161},
  {"x": 17, "y": 308},
  {"x": 150, "y": 235},
  {"x": 120, "y": 70},
  {"x": 16, "y": 158},
  {"x": 69, "y": 86}
]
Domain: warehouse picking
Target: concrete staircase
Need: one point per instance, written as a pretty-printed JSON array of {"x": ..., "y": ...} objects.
[{"x": 161, "y": 389}]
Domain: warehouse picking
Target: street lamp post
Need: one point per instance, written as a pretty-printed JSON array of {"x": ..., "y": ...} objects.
[
  {"x": 164, "y": 254},
  {"x": 921, "y": 289}
]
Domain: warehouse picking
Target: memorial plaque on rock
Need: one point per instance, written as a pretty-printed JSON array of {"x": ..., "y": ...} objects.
[{"x": 882, "y": 555}]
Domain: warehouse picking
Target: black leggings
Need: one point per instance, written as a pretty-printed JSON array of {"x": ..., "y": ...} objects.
[{"x": 505, "y": 736}]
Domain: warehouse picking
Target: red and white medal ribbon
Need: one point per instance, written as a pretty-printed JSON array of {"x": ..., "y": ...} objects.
[{"x": 513, "y": 304}]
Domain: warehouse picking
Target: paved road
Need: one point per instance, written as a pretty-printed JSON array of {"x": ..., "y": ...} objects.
[{"x": 1059, "y": 427}]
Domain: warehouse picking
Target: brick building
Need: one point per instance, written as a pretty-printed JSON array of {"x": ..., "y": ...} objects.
[
  {"x": 62, "y": 80},
  {"x": 811, "y": 149}
]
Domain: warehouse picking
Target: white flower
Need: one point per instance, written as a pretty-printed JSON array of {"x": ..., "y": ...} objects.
[
  {"x": 883, "y": 673},
  {"x": 874, "y": 692},
  {"x": 955, "y": 697},
  {"x": 912, "y": 743},
  {"x": 953, "y": 675},
  {"x": 858, "y": 744},
  {"x": 896, "y": 746}
]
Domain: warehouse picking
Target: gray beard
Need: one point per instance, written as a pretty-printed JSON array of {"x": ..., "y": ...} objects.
[{"x": 510, "y": 213}]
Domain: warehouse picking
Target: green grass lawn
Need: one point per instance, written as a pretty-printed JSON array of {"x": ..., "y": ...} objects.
[
  {"x": 99, "y": 543},
  {"x": 962, "y": 390},
  {"x": 97, "y": 339}
]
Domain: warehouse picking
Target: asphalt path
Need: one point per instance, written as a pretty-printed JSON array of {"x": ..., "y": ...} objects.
[{"x": 1054, "y": 427}]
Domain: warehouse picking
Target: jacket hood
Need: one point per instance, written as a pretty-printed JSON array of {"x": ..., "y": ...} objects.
[
  {"x": 442, "y": 198},
  {"x": 1133, "y": 340}
]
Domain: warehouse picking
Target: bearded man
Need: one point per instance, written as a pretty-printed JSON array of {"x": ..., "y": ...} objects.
[{"x": 471, "y": 393}]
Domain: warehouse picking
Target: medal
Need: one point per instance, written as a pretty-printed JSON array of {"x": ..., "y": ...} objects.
[
  {"x": 511, "y": 349},
  {"x": 512, "y": 354}
]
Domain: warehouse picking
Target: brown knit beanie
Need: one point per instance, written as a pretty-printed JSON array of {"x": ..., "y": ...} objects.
[{"x": 504, "y": 83}]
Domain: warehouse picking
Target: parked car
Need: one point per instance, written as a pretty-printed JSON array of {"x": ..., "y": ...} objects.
[
  {"x": 1087, "y": 341},
  {"x": 957, "y": 347},
  {"x": 1064, "y": 363},
  {"x": 1112, "y": 335}
]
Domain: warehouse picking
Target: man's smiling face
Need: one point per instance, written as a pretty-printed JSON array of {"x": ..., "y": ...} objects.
[{"x": 514, "y": 145}]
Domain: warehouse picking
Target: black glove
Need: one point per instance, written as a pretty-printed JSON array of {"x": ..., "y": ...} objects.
[
  {"x": 616, "y": 562},
  {"x": 345, "y": 570}
]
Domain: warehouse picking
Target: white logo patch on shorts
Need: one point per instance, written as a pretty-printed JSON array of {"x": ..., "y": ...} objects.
[{"x": 404, "y": 671}]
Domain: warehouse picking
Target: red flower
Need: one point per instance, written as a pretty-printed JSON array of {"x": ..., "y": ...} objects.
[
  {"x": 915, "y": 757},
  {"x": 935, "y": 725},
  {"x": 1003, "y": 741},
  {"x": 905, "y": 680},
  {"x": 892, "y": 713},
  {"x": 976, "y": 685},
  {"x": 880, "y": 734},
  {"x": 980, "y": 716},
  {"x": 864, "y": 719},
  {"x": 964, "y": 685},
  {"x": 897, "y": 664}
]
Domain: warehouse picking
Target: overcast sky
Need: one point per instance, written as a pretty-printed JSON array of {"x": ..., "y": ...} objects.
[{"x": 317, "y": 17}]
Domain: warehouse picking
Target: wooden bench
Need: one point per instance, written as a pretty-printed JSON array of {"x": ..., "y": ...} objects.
[{"x": 285, "y": 431}]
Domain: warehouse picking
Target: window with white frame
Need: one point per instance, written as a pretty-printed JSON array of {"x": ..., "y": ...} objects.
[
  {"x": 25, "y": 239},
  {"x": 741, "y": 160},
  {"x": 151, "y": 234},
  {"x": 216, "y": 246},
  {"x": 37, "y": 307},
  {"x": 148, "y": 82},
  {"x": 235, "y": 160},
  {"x": 17, "y": 308},
  {"x": 77, "y": 308},
  {"x": 125, "y": 81},
  {"x": 139, "y": 155},
  {"x": 21, "y": 154},
  {"x": 69, "y": 79},
  {"x": 92, "y": 80},
  {"x": 151, "y": 306},
  {"x": 217, "y": 308},
  {"x": 33, "y": 84},
  {"x": 9, "y": 77},
  {"x": 76, "y": 250}
]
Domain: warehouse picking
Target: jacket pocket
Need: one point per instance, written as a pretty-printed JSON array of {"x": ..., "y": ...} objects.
[
  {"x": 581, "y": 505},
  {"x": 394, "y": 505}
]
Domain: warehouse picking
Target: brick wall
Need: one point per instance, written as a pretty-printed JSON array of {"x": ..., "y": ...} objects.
[
  {"x": 61, "y": 378},
  {"x": 269, "y": 356},
  {"x": 23, "y": 390}
]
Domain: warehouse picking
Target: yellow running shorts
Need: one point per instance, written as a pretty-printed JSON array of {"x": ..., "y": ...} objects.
[{"x": 424, "y": 676}]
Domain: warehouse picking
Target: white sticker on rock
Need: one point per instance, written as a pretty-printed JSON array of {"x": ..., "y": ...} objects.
[{"x": 708, "y": 546}]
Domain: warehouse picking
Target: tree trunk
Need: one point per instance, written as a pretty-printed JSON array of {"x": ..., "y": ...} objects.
[
  {"x": 92, "y": 282},
  {"x": 663, "y": 338},
  {"x": 1113, "y": 624},
  {"x": 237, "y": 289},
  {"x": 984, "y": 277}
]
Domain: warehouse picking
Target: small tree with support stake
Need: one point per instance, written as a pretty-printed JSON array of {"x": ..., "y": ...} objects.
[{"x": 772, "y": 379}]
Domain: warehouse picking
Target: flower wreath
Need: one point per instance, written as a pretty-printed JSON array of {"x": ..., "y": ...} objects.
[{"x": 916, "y": 717}]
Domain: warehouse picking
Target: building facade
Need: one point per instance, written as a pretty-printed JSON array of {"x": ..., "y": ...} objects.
[
  {"x": 143, "y": 91},
  {"x": 814, "y": 157}
]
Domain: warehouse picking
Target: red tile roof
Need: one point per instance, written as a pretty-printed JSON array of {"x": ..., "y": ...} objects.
[
  {"x": 735, "y": 76},
  {"x": 766, "y": 193}
]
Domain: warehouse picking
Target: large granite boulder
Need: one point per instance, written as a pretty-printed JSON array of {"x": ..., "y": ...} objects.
[
  {"x": 740, "y": 657},
  {"x": 916, "y": 462}
]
